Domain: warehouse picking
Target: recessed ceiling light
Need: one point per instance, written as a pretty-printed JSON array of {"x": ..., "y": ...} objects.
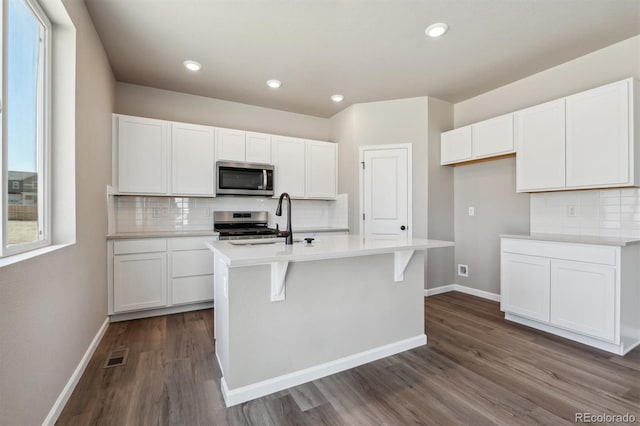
[
  {"x": 337, "y": 98},
  {"x": 436, "y": 30},
  {"x": 274, "y": 84},
  {"x": 192, "y": 65}
]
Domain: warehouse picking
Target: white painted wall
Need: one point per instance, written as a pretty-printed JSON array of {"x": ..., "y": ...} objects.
[
  {"x": 145, "y": 101},
  {"x": 51, "y": 307},
  {"x": 490, "y": 186}
]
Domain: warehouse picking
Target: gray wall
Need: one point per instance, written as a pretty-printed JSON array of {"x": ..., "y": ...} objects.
[
  {"x": 167, "y": 105},
  {"x": 52, "y": 306},
  {"x": 417, "y": 121},
  {"x": 490, "y": 186}
]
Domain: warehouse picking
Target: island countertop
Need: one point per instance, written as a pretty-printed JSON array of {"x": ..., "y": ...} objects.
[{"x": 326, "y": 247}]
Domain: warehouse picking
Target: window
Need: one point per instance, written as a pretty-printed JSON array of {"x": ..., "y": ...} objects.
[{"x": 25, "y": 127}]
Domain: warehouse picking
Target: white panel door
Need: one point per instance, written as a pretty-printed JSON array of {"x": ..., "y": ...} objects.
[
  {"x": 524, "y": 286},
  {"x": 139, "y": 281},
  {"x": 321, "y": 173},
  {"x": 288, "y": 155},
  {"x": 598, "y": 136},
  {"x": 455, "y": 145},
  {"x": 493, "y": 137},
  {"x": 583, "y": 298},
  {"x": 192, "y": 160},
  {"x": 143, "y": 155},
  {"x": 230, "y": 144},
  {"x": 386, "y": 192},
  {"x": 540, "y": 142},
  {"x": 258, "y": 148}
]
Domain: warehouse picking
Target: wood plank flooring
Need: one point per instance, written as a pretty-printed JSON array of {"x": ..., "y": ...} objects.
[{"x": 477, "y": 369}]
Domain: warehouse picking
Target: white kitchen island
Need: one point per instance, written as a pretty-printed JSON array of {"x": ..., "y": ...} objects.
[{"x": 286, "y": 315}]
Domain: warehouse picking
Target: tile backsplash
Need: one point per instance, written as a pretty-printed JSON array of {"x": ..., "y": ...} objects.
[
  {"x": 152, "y": 214},
  {"x": 607, "y": 212}
]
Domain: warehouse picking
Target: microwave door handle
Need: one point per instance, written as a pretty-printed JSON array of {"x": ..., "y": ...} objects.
[{"x": 264, "y": 179}]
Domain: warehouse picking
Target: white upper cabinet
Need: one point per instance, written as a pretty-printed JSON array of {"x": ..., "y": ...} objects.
[
  {"x": 455, "y": 145},
  {"x": 540, "y": 133},
  {"x": 258, "y": 148},
  {"x": 321, "y": 170},
  {"x": 599, "y": 136},
  {"x": 143, "y": 155},
  {"x": 288, "y": 155},
  {"x": 230, "y": 144},
  {"x": 192, "y": 160},
  {"x": 485, "y": 139},
  {"x": 493, "y": 137}
]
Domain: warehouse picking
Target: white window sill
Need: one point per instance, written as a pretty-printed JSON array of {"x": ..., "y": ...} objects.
[{"x": 10, "y": 260}]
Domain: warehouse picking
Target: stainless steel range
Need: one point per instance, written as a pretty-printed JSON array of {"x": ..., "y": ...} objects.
[{"x": 238, "y": 225}]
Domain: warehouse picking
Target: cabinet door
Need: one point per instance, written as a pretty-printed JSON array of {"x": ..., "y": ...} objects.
[
  {"x": 258, "y": 148},
  {"x": 321, "y": 170},
  {"x": 288, "y": 155},
  {"x": 192, "y": 160},
  {"x": 524, "y": 286},
  {"x": 192, "y": 289},
  {"x": 598, "y": 136},
  {"x": 143, "y": 155},
  {"x": 583, "y": 298},
  {"x": 493, "y": 137},
  {"x": 455, "y": 145},
  {"x": 139, "y": 281},
  {"x": 230, "y": 145},
  {"x": 540, "y": 142}
]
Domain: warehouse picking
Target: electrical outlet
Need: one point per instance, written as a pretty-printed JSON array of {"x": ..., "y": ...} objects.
[
  {"x": 472, "y": 211},
  {"x": 571, "y": 211},
  {"x": 155, "y": 212},
  {"x": 463, "y": 270},
  {"x": 164, "y": 211}
]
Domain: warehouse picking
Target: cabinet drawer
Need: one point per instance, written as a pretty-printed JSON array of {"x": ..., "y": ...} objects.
[
  {"x": 605, "y": 255},
  {"x": 191, "y": 243},
  {"x": 148, "y": 245},
  {"x": 191, "y": 262},
  {"x": 191, "y": 289}
]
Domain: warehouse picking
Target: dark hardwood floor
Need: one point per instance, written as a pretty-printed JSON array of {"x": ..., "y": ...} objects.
[{"x": 477, "y": 369}]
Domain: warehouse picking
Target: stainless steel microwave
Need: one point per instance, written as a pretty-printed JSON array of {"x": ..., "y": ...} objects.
[{"x": 236, "y": 178}]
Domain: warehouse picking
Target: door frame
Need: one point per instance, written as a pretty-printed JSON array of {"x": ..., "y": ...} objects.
[{"x": 361, "y": 150}]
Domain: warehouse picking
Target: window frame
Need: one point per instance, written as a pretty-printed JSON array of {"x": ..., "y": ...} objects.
[{"x": 43, "y": 135}]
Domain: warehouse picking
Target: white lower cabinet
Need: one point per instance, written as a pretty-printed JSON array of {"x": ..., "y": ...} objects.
[
  {"x": 149, "y": 275},
  {"x": 588, "y": 293}
]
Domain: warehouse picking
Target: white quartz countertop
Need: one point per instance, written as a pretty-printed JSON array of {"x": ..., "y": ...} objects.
[
  {"x": 578, "y": 239},
  {"x": 328, "y": 247},
  {"x": 160, "y": 234}
]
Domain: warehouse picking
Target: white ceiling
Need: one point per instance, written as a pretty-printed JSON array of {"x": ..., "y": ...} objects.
[{"x": 368, "y": 50}]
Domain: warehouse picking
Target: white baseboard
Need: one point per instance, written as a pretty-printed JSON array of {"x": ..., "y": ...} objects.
[
  {"x": 462, "y": 289},
  {"x": 276, "y": 384},
  {"x": 55, "y": 411}
]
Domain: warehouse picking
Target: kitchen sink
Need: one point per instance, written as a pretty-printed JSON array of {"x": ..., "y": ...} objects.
[{"x": 260, "y": 241}]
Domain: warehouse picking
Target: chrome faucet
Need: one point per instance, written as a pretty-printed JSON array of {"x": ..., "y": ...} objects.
[{"x": 288, "y": 234}]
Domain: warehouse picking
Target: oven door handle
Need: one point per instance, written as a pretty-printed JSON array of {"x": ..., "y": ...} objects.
[{"x": 264, "y": 179}]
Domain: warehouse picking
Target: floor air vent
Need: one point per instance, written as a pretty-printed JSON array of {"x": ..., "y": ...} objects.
[{"x": 117, "y": 357}]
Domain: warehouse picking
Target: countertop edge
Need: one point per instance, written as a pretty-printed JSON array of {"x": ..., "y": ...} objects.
[
  {"x": 575, "y": 239},
  {"x": 168, "y": 234}
]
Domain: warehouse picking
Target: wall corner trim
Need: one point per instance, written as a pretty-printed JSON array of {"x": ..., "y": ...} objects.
[
  {"x": 462, "y": 289},
  {"x": 58, "y": 406}
]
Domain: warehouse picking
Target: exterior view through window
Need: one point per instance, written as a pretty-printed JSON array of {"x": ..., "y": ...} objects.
[{"x": 25, "y": 129}]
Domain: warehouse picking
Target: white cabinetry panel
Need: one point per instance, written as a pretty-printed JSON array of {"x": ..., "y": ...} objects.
[
  {"x": 455, "y": 145},
  {"x": 524, "y": 285},
  {"x": 321, "y": 170},
  {"x": 230, "y": 145},
  {"x": 192, "y": 160},
  {"x": 143, "y": 155},
  {"x": 540, "y": 162},
  {"x": 191, "y": 262},
  {"x": 192, "y": 289},
  {"x": 583, "y": 298},
  {"x": 598, "y": 136},
  {"x": 493, "y": 137},
  {"x": 258, "y": 148},
  {"x": 140, "y": 281},
  {"x": 288, "y": 155}
]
